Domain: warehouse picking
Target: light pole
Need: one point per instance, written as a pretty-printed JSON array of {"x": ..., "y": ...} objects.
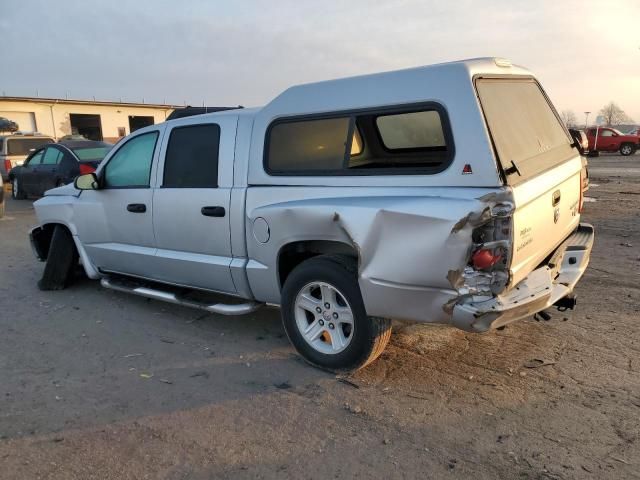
[{"x": 586, "y": 119}]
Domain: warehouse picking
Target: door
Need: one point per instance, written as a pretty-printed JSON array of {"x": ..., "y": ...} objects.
[
  {"x": 115, "y": 222},
  {"x": 191, "y": 206},
  {"x": 47, "y": 176},
  {"x": 29, "y": 173},
  {"x": 607, "y": 140}
]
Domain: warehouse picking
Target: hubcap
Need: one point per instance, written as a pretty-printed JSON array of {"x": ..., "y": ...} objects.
[
  {"x": 626, "y": 149},
  {"x": 324, "y": 317},
  {"x": 15, "y": 187}
]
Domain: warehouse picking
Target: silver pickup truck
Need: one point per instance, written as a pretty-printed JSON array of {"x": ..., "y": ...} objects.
[{"x": 448, "y": 193}]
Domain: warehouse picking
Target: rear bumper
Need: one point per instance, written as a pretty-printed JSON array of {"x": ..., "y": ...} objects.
[{"x": 541, "y": 289}]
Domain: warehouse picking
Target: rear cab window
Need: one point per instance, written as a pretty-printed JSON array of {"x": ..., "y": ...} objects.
[
  {"x": 24, "y": 146},
  {"x": 400, "y": 140},
  {"x": 526, "y": 132}
]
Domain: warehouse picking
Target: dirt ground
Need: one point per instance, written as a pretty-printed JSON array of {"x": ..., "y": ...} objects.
[{"x": 96, "y": 384}]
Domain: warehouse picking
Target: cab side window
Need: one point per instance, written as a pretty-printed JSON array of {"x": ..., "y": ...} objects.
[
  {"x": 52, "y": 156},
  {"x": 36, "y": 159},
  {"x": 191, "y": 160},
  {"x": 130, "y": 166}
]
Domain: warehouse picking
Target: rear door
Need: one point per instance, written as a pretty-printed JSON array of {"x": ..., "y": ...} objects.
[
  {"x": 47, "y": 176},
  {"x": 191, "y": 204},
  {"x": 539, "y": 165}
]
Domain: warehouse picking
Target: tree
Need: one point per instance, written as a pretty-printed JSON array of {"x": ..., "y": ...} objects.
[
  {"x": 568, "y": 118},
  {"x": 614, "y": 115}
]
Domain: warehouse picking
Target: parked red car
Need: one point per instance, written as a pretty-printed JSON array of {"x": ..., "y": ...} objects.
[{"x": 612, "y": 140}]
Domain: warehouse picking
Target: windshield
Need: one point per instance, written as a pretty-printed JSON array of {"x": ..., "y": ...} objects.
[
  {"x": 91, "y": 153},
  {"x": 526, "y": 132}
]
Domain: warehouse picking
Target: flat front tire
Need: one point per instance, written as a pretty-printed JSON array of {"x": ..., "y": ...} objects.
[
  {"x": 324, "y": 315},
  {"x": 61, "y": 261}
]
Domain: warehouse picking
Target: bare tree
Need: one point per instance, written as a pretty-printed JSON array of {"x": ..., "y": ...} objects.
[
  {"x": 614, "y": 115},
  {"x": 568, "y": 117}
]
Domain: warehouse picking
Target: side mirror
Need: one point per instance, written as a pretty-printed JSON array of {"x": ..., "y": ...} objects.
[{"x": 88, "y": 181}]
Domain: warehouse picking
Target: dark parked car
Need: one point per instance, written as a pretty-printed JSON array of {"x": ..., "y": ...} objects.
[
  {"x": 54, "y": 165},
  {"x": 581, "y": 140}
]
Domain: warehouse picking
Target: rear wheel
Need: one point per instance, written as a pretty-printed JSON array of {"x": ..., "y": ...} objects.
[
  {"x": 627, "y": 149},
  {"x": 61, "y": 261},
  {"x": 324, "y": 315},
  {"x": 16, "y": 190}
]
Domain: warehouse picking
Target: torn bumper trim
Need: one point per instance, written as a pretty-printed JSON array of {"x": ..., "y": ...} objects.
[{"x": 541, "y": 289}]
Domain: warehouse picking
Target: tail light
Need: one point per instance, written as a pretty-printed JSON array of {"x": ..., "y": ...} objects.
[
  {"x": 7, "y": 165},
  {"x": 487, "y": 272},
  {"x": 584, "y": 186},
  {"x": 84, "y": 169}
]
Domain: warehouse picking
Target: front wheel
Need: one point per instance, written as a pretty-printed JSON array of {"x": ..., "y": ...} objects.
[
  {"x": 16, "y": 190},
  {"x": 324, "y": 315},
  {"x": 627, "y": 149}
]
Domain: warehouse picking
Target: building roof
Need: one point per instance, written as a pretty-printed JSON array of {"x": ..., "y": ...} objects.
[{"x": 69, "y": 101}]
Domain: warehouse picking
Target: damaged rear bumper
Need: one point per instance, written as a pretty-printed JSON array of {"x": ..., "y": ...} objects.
[{"x": 541, "y": 289}]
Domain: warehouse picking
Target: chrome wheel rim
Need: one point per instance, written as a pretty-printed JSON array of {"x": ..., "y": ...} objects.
[
  {"x": 626, "y": 149},
  {"x": 324, "y": 318},
  {"x": 15, "y": 187}
]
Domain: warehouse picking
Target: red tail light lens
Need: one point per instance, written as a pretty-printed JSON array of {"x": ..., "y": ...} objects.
[
  {"x": 7, "y": 166},
  {"x": 484, "y": 259},
  {"x": 84, "y": 169}
]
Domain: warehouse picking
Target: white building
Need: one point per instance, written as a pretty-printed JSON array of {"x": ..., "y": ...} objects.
[{"x": 108, "y": 121}]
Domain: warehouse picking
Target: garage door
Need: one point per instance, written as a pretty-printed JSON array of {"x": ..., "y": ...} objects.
[{"x": 26, "y": 120}]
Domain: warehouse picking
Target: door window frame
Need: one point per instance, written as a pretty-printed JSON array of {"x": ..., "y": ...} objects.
[
  {"x": 114, "y": 152},
  {"x": 27, "y": 162},
  {"x": 161, "y": 180}
]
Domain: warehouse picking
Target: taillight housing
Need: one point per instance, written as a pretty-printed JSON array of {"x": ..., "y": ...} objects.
[
  {"x": 488, "y": 270},
  {"x": 7, "y": 165},
  {"x": 84, "y": 169},
  {"x": 584, "y": 186}
]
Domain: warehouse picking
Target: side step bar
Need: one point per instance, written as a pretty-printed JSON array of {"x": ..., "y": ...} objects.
[{"x": 170, "y": 297}]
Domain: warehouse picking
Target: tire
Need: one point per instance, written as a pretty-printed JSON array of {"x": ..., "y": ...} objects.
[
  {"x": 2, "y": 208},
  {"x": 61, "y": 261},
  {"x": 321, "y": 337},
  {"x": 627, "y": 149},
  {"x": 594, "y": 153},
  {"x": 16, "y": 191}
]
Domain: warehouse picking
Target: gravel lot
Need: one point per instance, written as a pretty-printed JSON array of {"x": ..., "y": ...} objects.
[{"x": 98, "y": 384}]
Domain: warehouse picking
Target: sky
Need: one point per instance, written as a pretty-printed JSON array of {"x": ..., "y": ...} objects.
[{"x": 244, "y": 52}]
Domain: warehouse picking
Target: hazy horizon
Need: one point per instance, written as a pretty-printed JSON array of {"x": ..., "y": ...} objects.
[{"x": 585, "y": 53}]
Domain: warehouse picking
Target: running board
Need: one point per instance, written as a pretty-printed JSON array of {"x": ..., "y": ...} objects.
[{"x": 170, "y": 297}]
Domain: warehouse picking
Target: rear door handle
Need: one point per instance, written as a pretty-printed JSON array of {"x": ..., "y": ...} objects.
[
  {"x": 213, "y": 211},
  {"x": 137, "y": 208}
]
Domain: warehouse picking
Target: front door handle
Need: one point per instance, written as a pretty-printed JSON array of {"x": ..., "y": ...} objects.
[
  {"x": 213, "y": 211},
  {"x": 137, "y": 208},
  {"x": 555, "y": 199}
]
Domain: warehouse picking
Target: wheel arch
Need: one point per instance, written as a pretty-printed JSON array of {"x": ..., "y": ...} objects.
[{"x": 293, "y": 254}]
